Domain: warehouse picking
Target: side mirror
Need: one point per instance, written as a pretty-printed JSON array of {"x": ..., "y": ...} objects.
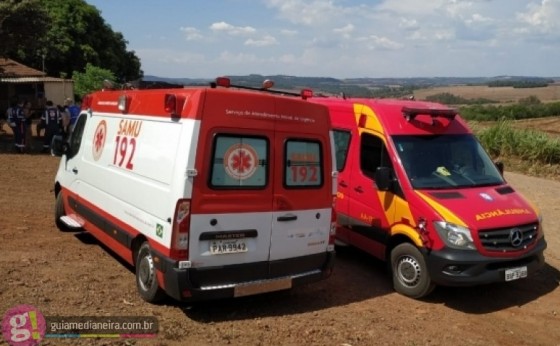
[
  {"x": 59, "y": 146},
  {"x": 383, "y": 178},
  {"x": 500, "y": 167}
]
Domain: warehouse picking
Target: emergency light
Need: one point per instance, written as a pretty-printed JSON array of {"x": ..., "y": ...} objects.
[
  {"x": 124, "y": 102},
  {"x": 170, "y": 103},
  {"x": 411, "y": 113}
]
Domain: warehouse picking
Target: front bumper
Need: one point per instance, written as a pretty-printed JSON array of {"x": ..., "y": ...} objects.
[{"x": 450, "y": 267}]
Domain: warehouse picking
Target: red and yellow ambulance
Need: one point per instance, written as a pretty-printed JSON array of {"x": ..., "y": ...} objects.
[{"x": 417, "y": 189}]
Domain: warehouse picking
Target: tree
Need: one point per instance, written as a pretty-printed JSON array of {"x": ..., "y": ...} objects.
[
  {"x": 23, "y": 23},
  {"x": 78, "y": 35},
  {"x": 91, "y": 79}
]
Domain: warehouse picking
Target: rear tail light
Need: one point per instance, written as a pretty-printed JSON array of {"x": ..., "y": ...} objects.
[
  {"x": 181, "y": 226},
  {"x": 332, "y": 231}
]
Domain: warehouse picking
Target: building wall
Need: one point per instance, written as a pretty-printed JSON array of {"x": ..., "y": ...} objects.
[{"x": 57, "y": 92}]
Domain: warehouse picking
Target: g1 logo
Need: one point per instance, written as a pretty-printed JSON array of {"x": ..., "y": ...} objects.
[{"x": 23, "y": 325}]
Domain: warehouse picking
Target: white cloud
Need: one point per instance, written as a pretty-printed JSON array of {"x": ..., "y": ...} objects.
[
  {"x": 374, "y": 42},
  {"x": 310, "y": 13},
  {"x": 345, "y": 30},
  {"x": 232, "y": 30},
  {"x": 542, "y": 18},
  {"x": 408, "y": 24},
  {"x": 287, "y": 32},
  {"x": 191, "y": 34},
  {"x": 262, "y": 42}
]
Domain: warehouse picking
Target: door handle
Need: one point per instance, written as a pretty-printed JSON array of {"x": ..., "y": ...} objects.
[
  {"x": 343, "y": 183},
  {"x": 359, "y": 189},
  {"x": 75, "y": 170},
  {"x": 287, "y": 218}
]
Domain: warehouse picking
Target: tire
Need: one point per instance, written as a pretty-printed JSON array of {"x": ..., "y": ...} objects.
[
  {"x": 410, "y": 272},
  {"x": 146, "y": 279},
  {"x": 59, "y": 212}
]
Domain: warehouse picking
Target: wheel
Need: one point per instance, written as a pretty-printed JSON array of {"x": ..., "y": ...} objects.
[
  {"x": 410, "y": 273},
  {"x": 146, "y": 280},
  {"x": 59, "y": 212}
]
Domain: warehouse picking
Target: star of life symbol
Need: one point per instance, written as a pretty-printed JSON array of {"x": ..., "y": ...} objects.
[
  {"x": 99, "y": 139},
  {"x": 240, "y": 161}
]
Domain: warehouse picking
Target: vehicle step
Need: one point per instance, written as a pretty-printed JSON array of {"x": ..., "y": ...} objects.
[{"x": 70, "y": 221}]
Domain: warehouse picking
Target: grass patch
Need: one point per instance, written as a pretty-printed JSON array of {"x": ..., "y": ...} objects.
[{"x": 526, "y": 151}]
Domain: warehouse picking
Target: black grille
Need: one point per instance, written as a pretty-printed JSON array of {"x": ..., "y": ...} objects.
[{"x": 499, "y": 239}]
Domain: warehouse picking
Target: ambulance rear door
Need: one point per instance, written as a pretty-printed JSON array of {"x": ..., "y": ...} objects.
[
  {"x": 231, "y": 209},
  {"x": 303, "y": 191}
]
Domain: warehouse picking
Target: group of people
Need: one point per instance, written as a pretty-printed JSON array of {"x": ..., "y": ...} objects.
[{"x": 55, "y": 120}]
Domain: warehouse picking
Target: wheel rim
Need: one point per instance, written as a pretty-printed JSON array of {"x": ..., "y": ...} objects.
[
  {"x": 146, "y": 272},
  {"x": 408, "y": 271}
]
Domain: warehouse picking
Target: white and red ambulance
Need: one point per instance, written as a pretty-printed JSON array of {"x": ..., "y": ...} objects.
[{"x": 209, "y": 192}]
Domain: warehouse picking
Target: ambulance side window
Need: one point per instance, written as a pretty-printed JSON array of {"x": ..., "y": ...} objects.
[
  {"x": 373, "y": 154},
  {"x": 76, "y": 137},
  {"x": 239, "y": 162},
  {"x": 303, "y": 164},
  {"x": 341, "y": 144}
]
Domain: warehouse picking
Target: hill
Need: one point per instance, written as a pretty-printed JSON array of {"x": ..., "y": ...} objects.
[{"x": 366, "y": 87}]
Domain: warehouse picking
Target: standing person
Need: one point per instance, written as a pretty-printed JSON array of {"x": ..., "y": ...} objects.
[
  {"x": 51, "y": 121},
  {"x": 7, "y": 116},
  {"x": 3, "y": 119},
  {"x": 72, "y": 112},
  {"x": 16, "y": 119},
  {"x": 28, "y": 114}
]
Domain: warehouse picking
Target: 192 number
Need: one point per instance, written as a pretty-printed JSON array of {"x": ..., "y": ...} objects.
[
  {"x": 124, "y": 151},
  {"x": 303, "y": 174}
]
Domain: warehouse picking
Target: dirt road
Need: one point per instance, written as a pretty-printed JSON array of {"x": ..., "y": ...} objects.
[{"x": 70, "y": 274}]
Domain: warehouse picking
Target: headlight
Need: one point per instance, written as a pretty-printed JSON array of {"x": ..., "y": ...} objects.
[
  {"x": 540, "y": 231},
  {"x": 454, "y": 236}
]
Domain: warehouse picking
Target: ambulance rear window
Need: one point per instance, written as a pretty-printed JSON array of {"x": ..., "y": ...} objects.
[
  {"x": 303, "y": 164},
  {"x": 239, "y": 162}
]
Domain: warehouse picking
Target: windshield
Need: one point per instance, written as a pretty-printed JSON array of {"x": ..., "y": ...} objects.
[{"x": 446, "y": 162}]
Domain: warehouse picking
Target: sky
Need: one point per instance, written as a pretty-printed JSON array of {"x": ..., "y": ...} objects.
[{"x": 339, "y": 38}]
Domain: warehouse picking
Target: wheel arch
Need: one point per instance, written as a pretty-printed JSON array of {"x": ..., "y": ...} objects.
[{"x": 402, "y": 234}]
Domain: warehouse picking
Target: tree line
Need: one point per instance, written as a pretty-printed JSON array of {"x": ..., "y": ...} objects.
[{"x": 62, "y": 37}]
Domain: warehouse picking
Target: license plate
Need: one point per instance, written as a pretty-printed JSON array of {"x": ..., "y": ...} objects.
[
  {"x": 516, "y": 273},
  {"x": 221, "y": 247},
  {"x": 262, "y": 287}
]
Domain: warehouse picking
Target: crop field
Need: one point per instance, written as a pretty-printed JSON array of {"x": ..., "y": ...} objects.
[{"x": 550, "y": 93}]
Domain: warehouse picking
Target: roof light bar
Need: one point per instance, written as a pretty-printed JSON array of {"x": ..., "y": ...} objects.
[
  {"x": 411, "y": 113},
  {"x": 266, "y": 86}
]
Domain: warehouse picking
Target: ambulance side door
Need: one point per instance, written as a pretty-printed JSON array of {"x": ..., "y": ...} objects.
[
  {"x": 369, "y": 214},
  {"x": 344, "y": 162},
  {"x": 73, "y": 165}
]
